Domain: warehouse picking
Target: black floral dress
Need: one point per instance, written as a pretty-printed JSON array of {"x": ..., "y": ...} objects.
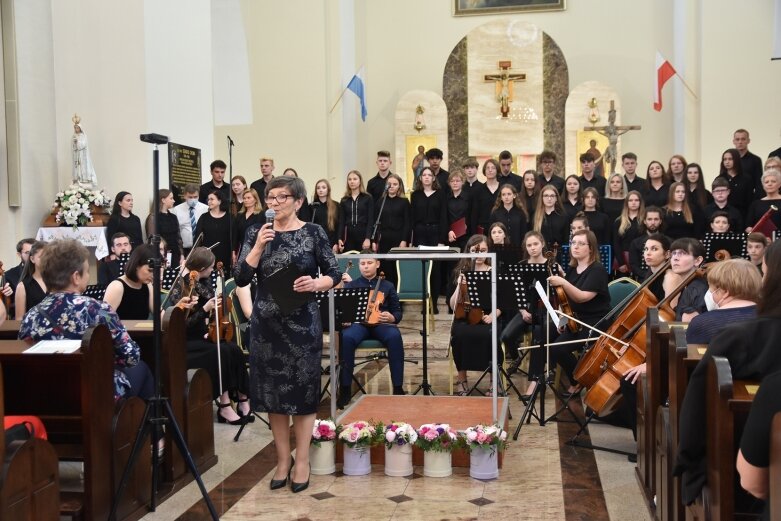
[{"x": 285, "y": 351}]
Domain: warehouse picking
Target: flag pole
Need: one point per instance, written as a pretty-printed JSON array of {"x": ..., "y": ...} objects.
[
  {"x": 342, "y": 95},
  {"x": 684, "y": 84}
]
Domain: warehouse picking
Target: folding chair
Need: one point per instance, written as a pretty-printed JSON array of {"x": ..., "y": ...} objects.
[{"x": 409, "y": 286}]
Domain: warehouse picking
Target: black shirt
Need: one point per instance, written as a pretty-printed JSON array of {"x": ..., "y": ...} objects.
[
  {"x": 216, "y": 229},
  {"x": 514, "y": 220},
  {"x": 442, "y": 176},
  {"x": 676, "y": 227},
  {"x": 511, "y": 179},
  {"x": 484, "y": 201},
  {"x": 637, "y": 185},
  {"x": 168, "y": 226},
  {"x": 241, "y": 224},
  {"x": 428, "y": 217},
  {"x": 594, "y": 278},
  {"x": 555, "y": 229},
  {"x": 752, "y": 167},
  {"x": 320, "y": 216},
  {"x": 622, "y": 243},
  {"x": 636, "y": 261},
  {"x": 394, "y": 224},
  {"x": 735, "y": 219},
  {"x": 225, "y": 191},
  {"x": 376, "y": 187},
  {"x": 260, "y": 187},
  {"x": 692, "y": 298},
  {"x": 654, "y": 197},
  {"x": 107, "y": 271},
  {"x": 556, "y": 181},
  {"x": 131, "y": 226},
  {"x": 741, "y": 191},
  {"x": 457, "y": 208},
  {"x": 571, "y": 210},
  {"x": 356, "y": 212},
  {"x": 612, "y": 207},
  {"x": 758, "y": 208},
  {"x": 599, "y": 223},
  {"x": 597, "y": 182}
]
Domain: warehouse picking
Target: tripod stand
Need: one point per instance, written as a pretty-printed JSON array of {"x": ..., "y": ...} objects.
[{"x": 158, "y": 411}]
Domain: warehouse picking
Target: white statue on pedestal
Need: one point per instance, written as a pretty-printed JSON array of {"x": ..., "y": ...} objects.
[{"x": 83, "y": 171}]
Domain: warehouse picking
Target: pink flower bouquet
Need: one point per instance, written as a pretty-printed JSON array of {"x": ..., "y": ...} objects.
[
  {"x": 358, "y": 434},
  {"x": 487, "y": 437},
  {"x": 436, "y": 437},
  {"x": 323, "y": 430},
  {"x": 399, "y": 433}
]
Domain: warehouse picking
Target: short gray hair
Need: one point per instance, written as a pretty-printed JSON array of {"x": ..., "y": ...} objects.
[
  {"x": 294, "y": 184},
  {"x": 774, "y": 172},
  {"x": 61, "y": 259}
]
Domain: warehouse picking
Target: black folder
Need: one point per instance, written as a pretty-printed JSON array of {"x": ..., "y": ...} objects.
[{"x": 280, "y": 285}]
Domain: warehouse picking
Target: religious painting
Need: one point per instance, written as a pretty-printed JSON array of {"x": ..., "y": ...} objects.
[
  {"x": 594, "y": 142},
  {"x": 416, "y": 146},
  {"x": 472, "y": 7}
]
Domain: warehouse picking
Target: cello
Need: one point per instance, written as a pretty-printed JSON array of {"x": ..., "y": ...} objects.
[{"x": 561, "y": 295}]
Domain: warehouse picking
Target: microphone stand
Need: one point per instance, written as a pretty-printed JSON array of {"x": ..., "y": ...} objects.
[
  {"x": 231, "y": 144},
  {"x": 379, "y": 216}
]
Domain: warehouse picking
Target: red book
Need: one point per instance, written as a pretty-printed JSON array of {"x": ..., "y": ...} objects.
[{"x": 459, "y": 227}]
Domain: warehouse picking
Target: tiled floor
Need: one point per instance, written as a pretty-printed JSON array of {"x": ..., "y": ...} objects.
[{"x": 542, "y": 478}]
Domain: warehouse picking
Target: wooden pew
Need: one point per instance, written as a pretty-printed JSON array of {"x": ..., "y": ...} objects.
[
  {"x": 728, "y": 403},
  {"x": 73, "y": 394},
  {"x": 775, "y": 469},
  {"x": 29, "y": 478}
]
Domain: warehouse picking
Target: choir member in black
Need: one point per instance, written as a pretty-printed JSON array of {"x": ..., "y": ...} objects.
[
  {"x": 167, "y": 225},
  {"x": 470, "y": 167},
  {"x": 615, "y": 194},
  {"x": 521, "y": 322},
  {"x": 751, "y": 347},
  {"x": 578, "y": 223},
  {"x": 434, "y": 158},
  {"x": 202, "y": 352},
  {"x": 572, "y": 200},
  {"x": 741, "y": 186},
  {"x": 14, "y": 275},
  {"x": 487, "y": 194},
  {"x": 460, "y": 215},
  {"x": 325, "y": 211},
  {"x": 655, "y": 253},
  {"x": 376, "y": 185},
  {"x": 356, "y": 215},
  {"x": 510, "y": 211},
  {"x": 498, "y": 236},
  {"x": 681, "y": 219},
  {"x": 472, "y": 344},
  {"x": 589, "y": 178},
  {"x": 626, "y": 229},
  {"x": 395, "y": 223},
  {"x": 548, "y": 175},
  {"x": 549, "y": 217},
  {"x": 31, "y": 289},
  {"x": 756, "y": 244},
  {"x": 238, "y": 186},
  {"x": 750, "y": 163},
  {"x": 720, "y": 191},
  {"x": 506, "y": 174},
  {"x": 719, "y": 222},
  {"x": 676, "y": 169},
  {"x": 217, "y": 182},
  {"x": 215, "y": 226},
  {"x": 530, "y": 191},
  {"x": 251, "y": 213},
  {"x": 699, "y": 196},
  {"x": 124, "y": 220},
  {"x": 652, "y": 222},
  {"x": 632, "y": 180},
  {"x": 130, "y": 296},
  {"x": 686, "y": 256},
  {"x": 266, "y": 175},
  {"x": 305, "y": 212},
  {"x": 771, "y": 182},
  {"x": 585, "y": 285},
  {"x": 598, "y": 222},
  {"x": 428, "y": 222},
  {"x": 657, "y": 185}
]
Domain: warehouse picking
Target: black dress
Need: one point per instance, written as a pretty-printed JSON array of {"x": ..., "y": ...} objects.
[
  {"x": 216, "y": 229},
  {"x": 428, "y": 223},
  {"x": 168, "y": 226},
  {"x": 654, "y": 197},
  {"x": 515, "y": 221},
  {"x": 241, "y": 224},
  {"x": 34, "y": 293},
  {"x": 131, "y": 226},
  {"x": 555, "y": 229},
  {"x": 285, "y": 351},
  {"x": 320, "y": 216},
  {"x": 483, "y": 200},
  {"x": 600, "y": 224},
  {"x": 394, "y": 228},
  {"x": 135, "y": 303}
]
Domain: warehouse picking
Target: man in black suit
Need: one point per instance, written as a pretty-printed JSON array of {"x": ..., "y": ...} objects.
[
  {"x": 506, "y": 175},
  {"x": 376, "y": 185},
  {"x": 109, "y": 267},
  {"x": 14, "y": 275},
  {"x": 751, "y": 163}
]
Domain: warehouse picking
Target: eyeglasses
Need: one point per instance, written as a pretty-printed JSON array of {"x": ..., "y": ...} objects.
[
  {"x": 281, "y": 198},
  {"x": 573, "y": 243},
  {"x": 479, "y": 251}
]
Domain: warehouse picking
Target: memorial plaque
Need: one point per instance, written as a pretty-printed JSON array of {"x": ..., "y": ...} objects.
[{"x": 184, "y": 166}]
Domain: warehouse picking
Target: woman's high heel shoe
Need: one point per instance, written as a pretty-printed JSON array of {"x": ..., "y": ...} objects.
[
  {"x": 250, "y": 417},
  {"x": 300, "y": 487},
  {"x": 280, "y": 483},
  {"x": 462, "y": 388},
  {"x": 223, "y": 419}
]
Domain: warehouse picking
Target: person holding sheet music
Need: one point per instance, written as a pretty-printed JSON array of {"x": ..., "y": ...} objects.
[
  {"x": 64, "y": 267},
  {"x": 751, "y": 347},
  {"x": 356, "y": 215},
  {"x": 201, "y": 352},
  {"x": 510, "y": 211},
  {"x": 394, "y": 226},
  {"x": 385, "y": 330},
  {"x": 549, "y": 217},
  {"x": 471, "y": 343},
  {"x": 585, "y": 285},
  {"x": 285, "y": 350},
  {"x": 32, "y": 287},
  {"x": 429, "y": 222}
]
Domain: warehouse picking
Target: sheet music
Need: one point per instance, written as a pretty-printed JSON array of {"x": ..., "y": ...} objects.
[
  {"x": 544, "y": 296},
  {"x": 50, "y": 347}
]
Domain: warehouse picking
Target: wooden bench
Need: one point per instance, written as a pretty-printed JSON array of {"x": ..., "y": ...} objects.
[
  {"x": 29, "y": 478},
  {"x": 73, "y": 394}
]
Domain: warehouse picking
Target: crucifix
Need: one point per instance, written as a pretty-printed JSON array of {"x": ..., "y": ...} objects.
[
  {"x": 504, "y": 82},
  {"x": 611, "y": 131}
]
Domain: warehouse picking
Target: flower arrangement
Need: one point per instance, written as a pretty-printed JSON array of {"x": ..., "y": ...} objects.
[
  {"x": 487, "y": 437},
  {"x": 399, "y": 433},
  {"x": 74, "y": 205},
  {"x": 436, "y": 437},
  {"x": 358, "y": 434},
  {"x": 323, "y": 430}
]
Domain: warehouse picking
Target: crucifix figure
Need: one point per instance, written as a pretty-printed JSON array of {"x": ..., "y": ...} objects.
[
  {"x": 504, "y": 82},
  {"x": 611, "y": 132}
]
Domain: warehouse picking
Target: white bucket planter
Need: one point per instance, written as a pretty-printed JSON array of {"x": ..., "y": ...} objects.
[
  {"x": 484, "y": 463},
  {"x": 323, "y": 458},
  {"x": 437, "y": 464},
  {"x": 398, "y": 460},
  {"x": 357, "y": 462}
]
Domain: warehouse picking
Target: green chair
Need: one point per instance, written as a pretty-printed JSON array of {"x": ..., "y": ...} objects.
[
  {"x": 409, "y": 287},
  {"x": 620, "y": 289}
]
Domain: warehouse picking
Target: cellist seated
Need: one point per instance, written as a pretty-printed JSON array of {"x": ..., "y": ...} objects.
[{"x": 380, "y": 325}]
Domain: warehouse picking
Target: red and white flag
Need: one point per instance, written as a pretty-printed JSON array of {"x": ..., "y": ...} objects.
[{"x": 664, "y": 71}]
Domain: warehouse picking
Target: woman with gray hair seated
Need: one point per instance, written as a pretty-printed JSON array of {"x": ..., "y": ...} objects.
[{"x": 771, "y": 183}]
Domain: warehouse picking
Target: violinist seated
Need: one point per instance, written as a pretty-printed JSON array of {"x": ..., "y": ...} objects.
[
  {"x": 381, "y": 326},
  {"x": 199, "y": 303},
  {"x": 756, "y": 243},
  {"x": 585, "y": 287},
  {"x": 686, "y": 256},
  {"x": 470, "y": 336}
]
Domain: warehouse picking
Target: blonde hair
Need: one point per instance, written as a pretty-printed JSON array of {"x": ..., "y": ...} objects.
[
  {"x": 685, "y": 208},
  {"x": 738, "y": 277},
  {"x": 623, "y": 186},
  {"x": 258, "y": 206},
  {"x": 624, "y": 221},
  {"x": 401, "y": 183},
  {"x": 361, "y": 188},
  {"x": 539, "y": 210},
  {"x": 331, "y": 205}
]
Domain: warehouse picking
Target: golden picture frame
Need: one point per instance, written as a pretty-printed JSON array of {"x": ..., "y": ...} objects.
[{"x": 478, "y": 7}]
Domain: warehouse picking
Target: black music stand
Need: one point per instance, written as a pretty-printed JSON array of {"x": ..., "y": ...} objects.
[
  {"x": 424, "y": 384},
  {"x": 122, "y": 262},
  {"x": 507, "y": 255},
  {"x": 733, "y": 243},
  {"x": 509, "y": 292},
  {"x": 529, "y": 274}
]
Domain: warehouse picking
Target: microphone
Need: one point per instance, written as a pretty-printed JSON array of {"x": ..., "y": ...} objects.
[
  {"x": 230, "y": 141},
  {"x": 387, "y": 186},
  {"x": 270, "y": 213}
]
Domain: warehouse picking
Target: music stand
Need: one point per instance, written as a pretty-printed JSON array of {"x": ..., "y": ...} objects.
[
  {"x": 733, "y": 243},
  {"x": 507, "y": 255},
  {"x": 122, "y": 262},
  {"x": 529, "y": 274},
  {"x": 95, "y": 291},
  {"x": 169, "y": 275}
]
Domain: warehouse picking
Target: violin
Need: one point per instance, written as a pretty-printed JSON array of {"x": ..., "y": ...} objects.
[
  {"x": 220, "y": 326},
  {"x": 188, "y": 289},
  {"x": 376, "y": 298},
  {"x": 464, "y": 309},
  {"x": 6, "y": 299},
  {"x": 561, "y": 295}
]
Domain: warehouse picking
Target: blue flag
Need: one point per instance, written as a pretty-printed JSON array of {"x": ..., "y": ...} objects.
[{"x": 356, "y": 86}]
